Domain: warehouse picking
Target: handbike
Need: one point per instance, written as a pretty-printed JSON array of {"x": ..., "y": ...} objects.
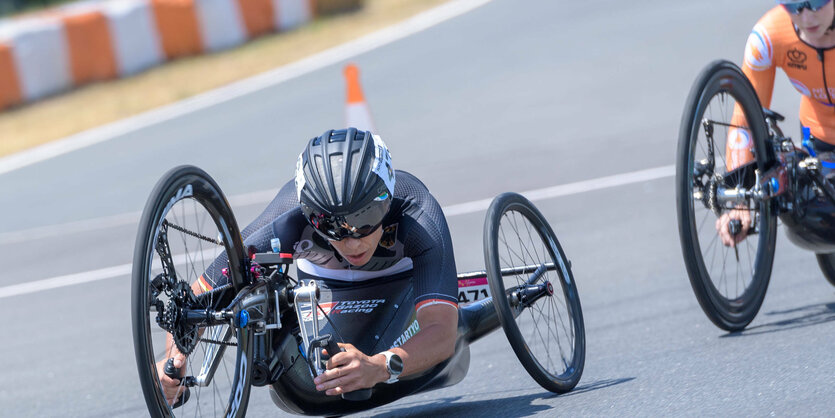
[
  {"x": 723, "y": 116},
  {"x": 265, "y": 328}
]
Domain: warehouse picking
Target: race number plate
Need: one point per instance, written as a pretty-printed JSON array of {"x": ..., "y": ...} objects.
[{"x": 472, "y": 290}]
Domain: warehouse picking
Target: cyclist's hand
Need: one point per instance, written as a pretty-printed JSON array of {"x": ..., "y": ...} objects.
[
  {"x": 171, "y": 387},
  {"x": 351, "y": 370},
  {"x": 744, "y": 216}
]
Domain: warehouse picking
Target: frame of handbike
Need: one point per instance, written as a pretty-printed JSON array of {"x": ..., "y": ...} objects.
[
  {"x": 271, "y": 291},
  {"x": 775, "y": 182}
]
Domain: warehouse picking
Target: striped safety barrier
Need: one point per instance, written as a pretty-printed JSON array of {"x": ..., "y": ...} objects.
[{"x": 58, "y": 49}]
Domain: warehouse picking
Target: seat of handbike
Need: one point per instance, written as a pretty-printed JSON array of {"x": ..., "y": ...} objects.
[{"x": 770, "y": 114}]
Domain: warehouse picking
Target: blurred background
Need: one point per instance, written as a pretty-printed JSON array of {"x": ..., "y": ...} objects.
[
  {"x": 9, "y": 7},
  {"x": 474, "y": 97}
]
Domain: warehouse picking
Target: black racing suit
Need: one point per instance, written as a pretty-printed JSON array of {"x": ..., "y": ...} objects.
[{"x": 415, "y": 239}]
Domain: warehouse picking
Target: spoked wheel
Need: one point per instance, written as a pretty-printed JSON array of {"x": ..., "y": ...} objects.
[
  {"x": 827, "y": 265},
  {"x": 723, "y": 142},
  {"x": 540, "y": 313},
  {"x": 186, "y": 226}
]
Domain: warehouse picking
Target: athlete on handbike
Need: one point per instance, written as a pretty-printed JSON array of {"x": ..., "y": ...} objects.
[
  {"x": 346, "y": 220},
  {"x": 737, "y": 172},
  {"x": 798, "y": 37}
]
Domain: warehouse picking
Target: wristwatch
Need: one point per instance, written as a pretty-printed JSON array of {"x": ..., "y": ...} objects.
[{"x": 394, "y": 364}]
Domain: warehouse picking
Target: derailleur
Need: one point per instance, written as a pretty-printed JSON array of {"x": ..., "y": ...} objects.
[{"x": 170, "y": 317}]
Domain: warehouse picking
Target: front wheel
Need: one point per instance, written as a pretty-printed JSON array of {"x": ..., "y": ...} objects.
[
  {"x": 187, "y": 234},
  {"x": 723, "y": 143},
  {"x": 534, "y": 293}
]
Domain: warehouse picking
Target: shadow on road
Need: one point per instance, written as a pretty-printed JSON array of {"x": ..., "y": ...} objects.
[
  {"x": 516, "y": 406},
  {"x": 600, "y": 384},
  {"x": 801, "y": 317}
]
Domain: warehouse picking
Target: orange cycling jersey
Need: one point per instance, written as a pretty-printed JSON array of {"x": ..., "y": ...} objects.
[{"x": 773, "y": 43}]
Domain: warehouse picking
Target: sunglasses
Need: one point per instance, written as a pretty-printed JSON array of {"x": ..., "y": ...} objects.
[
  {"x": 812, "y": 5},
  {"x": 355, "y": 225},
  {"x": 337, "y": 228}
]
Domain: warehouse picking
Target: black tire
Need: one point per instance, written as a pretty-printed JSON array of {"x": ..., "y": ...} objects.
[
  {"x": 719, "y": 87},
  {"x": 827, "y": 265},
  {"x": 187, "y": 199},
  {"x": 516, "y": 235}
]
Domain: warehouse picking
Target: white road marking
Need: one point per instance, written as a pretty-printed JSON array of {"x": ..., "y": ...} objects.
[
  {"x": 265, "y": 196},
  {"x": 240, "y": 88},
  {"x": 94, "y": 275},
  {"x": 89, "y": 225},
  {"x": 67, "y": 280},
  {"x": 569, "y": 189}
]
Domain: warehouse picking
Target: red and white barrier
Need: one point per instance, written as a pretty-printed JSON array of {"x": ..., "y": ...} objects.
[
  {"x": 39, "y": 54},
  {"x": 292, "y": 13},
  {"x": 61, "y": 48},
  {"x": 136, "y": 43},
  {"x": 220, "y": 24}
]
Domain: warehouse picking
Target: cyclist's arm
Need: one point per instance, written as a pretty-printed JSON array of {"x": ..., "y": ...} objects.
[
  {"x": 434, "y": 343},
  {"x": 760, "y": 68}
]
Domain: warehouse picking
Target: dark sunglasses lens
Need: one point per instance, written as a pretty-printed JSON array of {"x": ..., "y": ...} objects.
[
  {"x": 812, "y": 5},
  {"x": 338, "y": 229},
  {"x": 355, "y": 225},
  {"x": 793, "y": 8},
  {"x": 339, "y": 233}
]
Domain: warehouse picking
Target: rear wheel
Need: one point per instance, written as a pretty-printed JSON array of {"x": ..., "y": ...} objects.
[
  {"x": 534, "y": 293},
  {"x": 187, "y": 229},
  {"x": 827, "y": 265},
  {"x": 729, "y": 282}
]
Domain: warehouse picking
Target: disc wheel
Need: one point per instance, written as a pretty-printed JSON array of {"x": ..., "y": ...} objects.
[
  {"x": 722, "y": 128},
  {"x": 186, "y": 231},
  {"x": 827, "y": 265},
  {"x": 534, "y": 293}
]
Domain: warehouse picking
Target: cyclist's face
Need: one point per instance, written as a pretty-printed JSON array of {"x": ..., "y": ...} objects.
[
  {"x": 358, "y": 251},
  {"x": 814, "y": 24}
]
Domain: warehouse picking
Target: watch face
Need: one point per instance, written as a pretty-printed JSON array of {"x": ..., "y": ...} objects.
[{"x": 395, "y": 364}]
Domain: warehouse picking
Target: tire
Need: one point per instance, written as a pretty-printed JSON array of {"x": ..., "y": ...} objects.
[
  {"x": 515, "y": 235},
  {"x": 710, "y": 264},
  {"x": 827, "y": 265},
  {"x": 187, "y": 199}
]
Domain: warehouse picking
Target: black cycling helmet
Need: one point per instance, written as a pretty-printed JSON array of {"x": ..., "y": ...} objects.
[{"x": 344, "y": 182}]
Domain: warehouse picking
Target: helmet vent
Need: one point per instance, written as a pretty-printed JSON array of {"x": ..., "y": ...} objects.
[
  {"x": 356, "y": 160},
  {"x": 338, "y": 178},
  {"x": 337, "y": 136},
  {"x": 320, "y": 169}
]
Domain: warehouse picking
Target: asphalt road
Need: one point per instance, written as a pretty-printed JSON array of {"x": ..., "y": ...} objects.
[{"x": 513, "y": 96}]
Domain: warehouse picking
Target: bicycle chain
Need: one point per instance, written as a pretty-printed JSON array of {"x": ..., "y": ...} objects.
[
  {"x": 192, "y": 233},
  {"x": 185, "y": 339},
  {"x": 206, "y": 340}
]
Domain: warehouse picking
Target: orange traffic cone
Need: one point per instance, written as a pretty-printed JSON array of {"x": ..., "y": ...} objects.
[{"x": 357, "y": 114}]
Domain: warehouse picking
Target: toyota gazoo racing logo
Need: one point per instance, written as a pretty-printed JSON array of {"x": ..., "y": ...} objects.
[
  {"x": 365, "y": 306},
  {"x": 758, "y": 50},
  {"x": 739, "y": 138}
]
